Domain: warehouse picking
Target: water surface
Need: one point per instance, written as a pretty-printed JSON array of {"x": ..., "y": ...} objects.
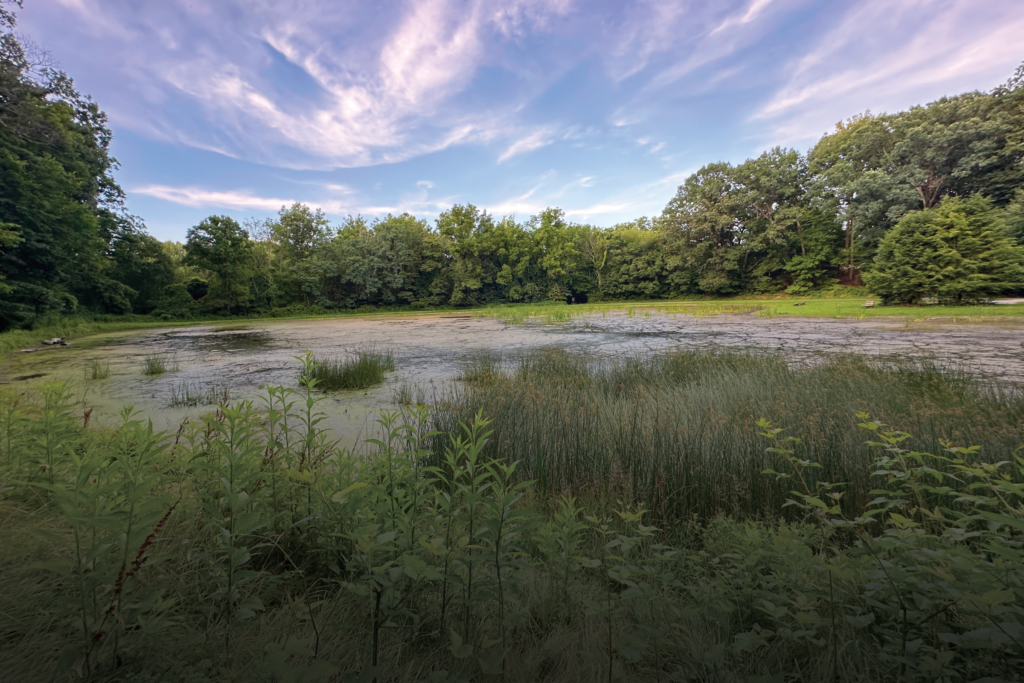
[{"x": 429, "y": 348}]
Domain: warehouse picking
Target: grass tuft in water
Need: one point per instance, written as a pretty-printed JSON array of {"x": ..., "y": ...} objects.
[
  {"x": 360, "y": 370},
  {"x": 158, "y": 364},
  {"x": 191, "y": 393},
  {"x": 97, "y": 370},
  {"x": 409, "y": 395}
]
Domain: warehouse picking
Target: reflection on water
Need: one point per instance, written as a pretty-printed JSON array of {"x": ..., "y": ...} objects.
[{"x": 240, "y": 360}]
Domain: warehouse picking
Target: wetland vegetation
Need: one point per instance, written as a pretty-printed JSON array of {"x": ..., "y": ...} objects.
[
  {"x": 650, "y": 503},
  {"x": 684, "y": 516},
  {"x": 359, "y": 369}
]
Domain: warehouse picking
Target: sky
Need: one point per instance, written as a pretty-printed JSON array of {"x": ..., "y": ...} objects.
[{"x": 599, "y": 107}]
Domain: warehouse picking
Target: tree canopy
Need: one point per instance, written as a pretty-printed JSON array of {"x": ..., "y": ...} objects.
[{"x": 927, "y": 202}]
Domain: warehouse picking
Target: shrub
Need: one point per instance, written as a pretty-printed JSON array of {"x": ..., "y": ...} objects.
[{"x": 957, "y": 252}]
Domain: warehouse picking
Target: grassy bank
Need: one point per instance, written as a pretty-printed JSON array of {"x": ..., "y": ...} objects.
[
  {"x": 246, "y": 547},
  {"x": 762, "y": 307},
  {"x": 821, "y": 306}
]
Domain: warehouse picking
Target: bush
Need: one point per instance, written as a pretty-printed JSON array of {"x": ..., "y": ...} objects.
[{"x": 957, "y": 252}]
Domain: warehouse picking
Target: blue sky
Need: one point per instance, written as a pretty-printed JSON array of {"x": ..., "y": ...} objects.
[{"x": 601, "y": 108}]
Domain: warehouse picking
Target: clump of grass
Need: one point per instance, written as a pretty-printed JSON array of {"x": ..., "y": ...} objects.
[
  {"x": 158, "y": 364},
  {"x": 359, "y": 370},
  {"x": 97, "y": 370},
  {"x": 192, "y": 393},
  {"x": 480, "y": 367},
  {"x": 409, "y": 395}
]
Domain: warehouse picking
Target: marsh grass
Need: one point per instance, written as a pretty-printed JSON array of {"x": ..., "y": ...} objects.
[
  {"x": 97, "y": 370},
  {"x": 675, "y": 432},
  {"x": 361, "y": 369},
  {"x": 191, "y": 393},
  {"x": 158, "y": 364},
  {"x": 407, "y": 395}
]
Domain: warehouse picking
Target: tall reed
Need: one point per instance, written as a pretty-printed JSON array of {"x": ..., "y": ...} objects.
[
  {"x": 677, "y": 431},
  {"x": 359, "y": 370}
]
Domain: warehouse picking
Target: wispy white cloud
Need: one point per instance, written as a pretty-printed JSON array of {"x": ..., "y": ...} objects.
[
  {"x": 528, "y": 143},
  {"x": 731, "y": 33},
  {"x": 521, "y": 205},
  {"x": 372, "y": 87},
  {"x": 885, "y": 57},
  {"x": 239, "y": 200},
  {"x": 628, "y": 202},
  {"x": 202, "y": 198},
  {"x": 599, "y": 209},
  {"x": 417, "y": 202},
  {"x": 754, "y": 10}
]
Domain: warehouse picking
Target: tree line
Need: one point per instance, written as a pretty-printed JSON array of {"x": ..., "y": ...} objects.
[{"x": 923, "y": 203}]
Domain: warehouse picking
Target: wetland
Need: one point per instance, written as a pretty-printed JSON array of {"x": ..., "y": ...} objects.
[{"x": 210, "y": 363}]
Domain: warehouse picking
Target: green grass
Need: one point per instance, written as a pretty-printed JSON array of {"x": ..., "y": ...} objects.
[
  {"x": 677, "y": 432},
  {"x": 158, "y": 364},
  {"x": 823, "y": 308},
  {"x": 192, "y": 393},
  {"x": 97, "y": 370},
  {"x": 358, "y": 370},
  {"x": 70, "y": 328},
  {"x": 764, "y": 307}
]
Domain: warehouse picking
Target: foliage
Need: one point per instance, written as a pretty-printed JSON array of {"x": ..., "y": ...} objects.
[
  {"x": 220, "y": 245},
  {"x": 245, "y": 546},
  {"x": 59, "y": 206},
  {"x": 957, "y": 252}
]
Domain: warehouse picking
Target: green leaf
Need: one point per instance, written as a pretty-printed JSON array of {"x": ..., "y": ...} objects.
[{"x": 459, "y": 649}]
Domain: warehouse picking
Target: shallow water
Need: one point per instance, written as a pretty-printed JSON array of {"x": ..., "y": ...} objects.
[{"x": 428, "y": 349}]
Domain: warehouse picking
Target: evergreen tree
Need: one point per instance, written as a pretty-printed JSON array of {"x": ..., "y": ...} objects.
[{"x": 957, "y": 252}]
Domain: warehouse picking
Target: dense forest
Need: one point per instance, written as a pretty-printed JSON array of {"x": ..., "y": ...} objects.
[{"x": 925, "y": 203}]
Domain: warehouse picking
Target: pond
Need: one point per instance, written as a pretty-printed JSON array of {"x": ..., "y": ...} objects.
[{"x": 207, "y": 361}]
